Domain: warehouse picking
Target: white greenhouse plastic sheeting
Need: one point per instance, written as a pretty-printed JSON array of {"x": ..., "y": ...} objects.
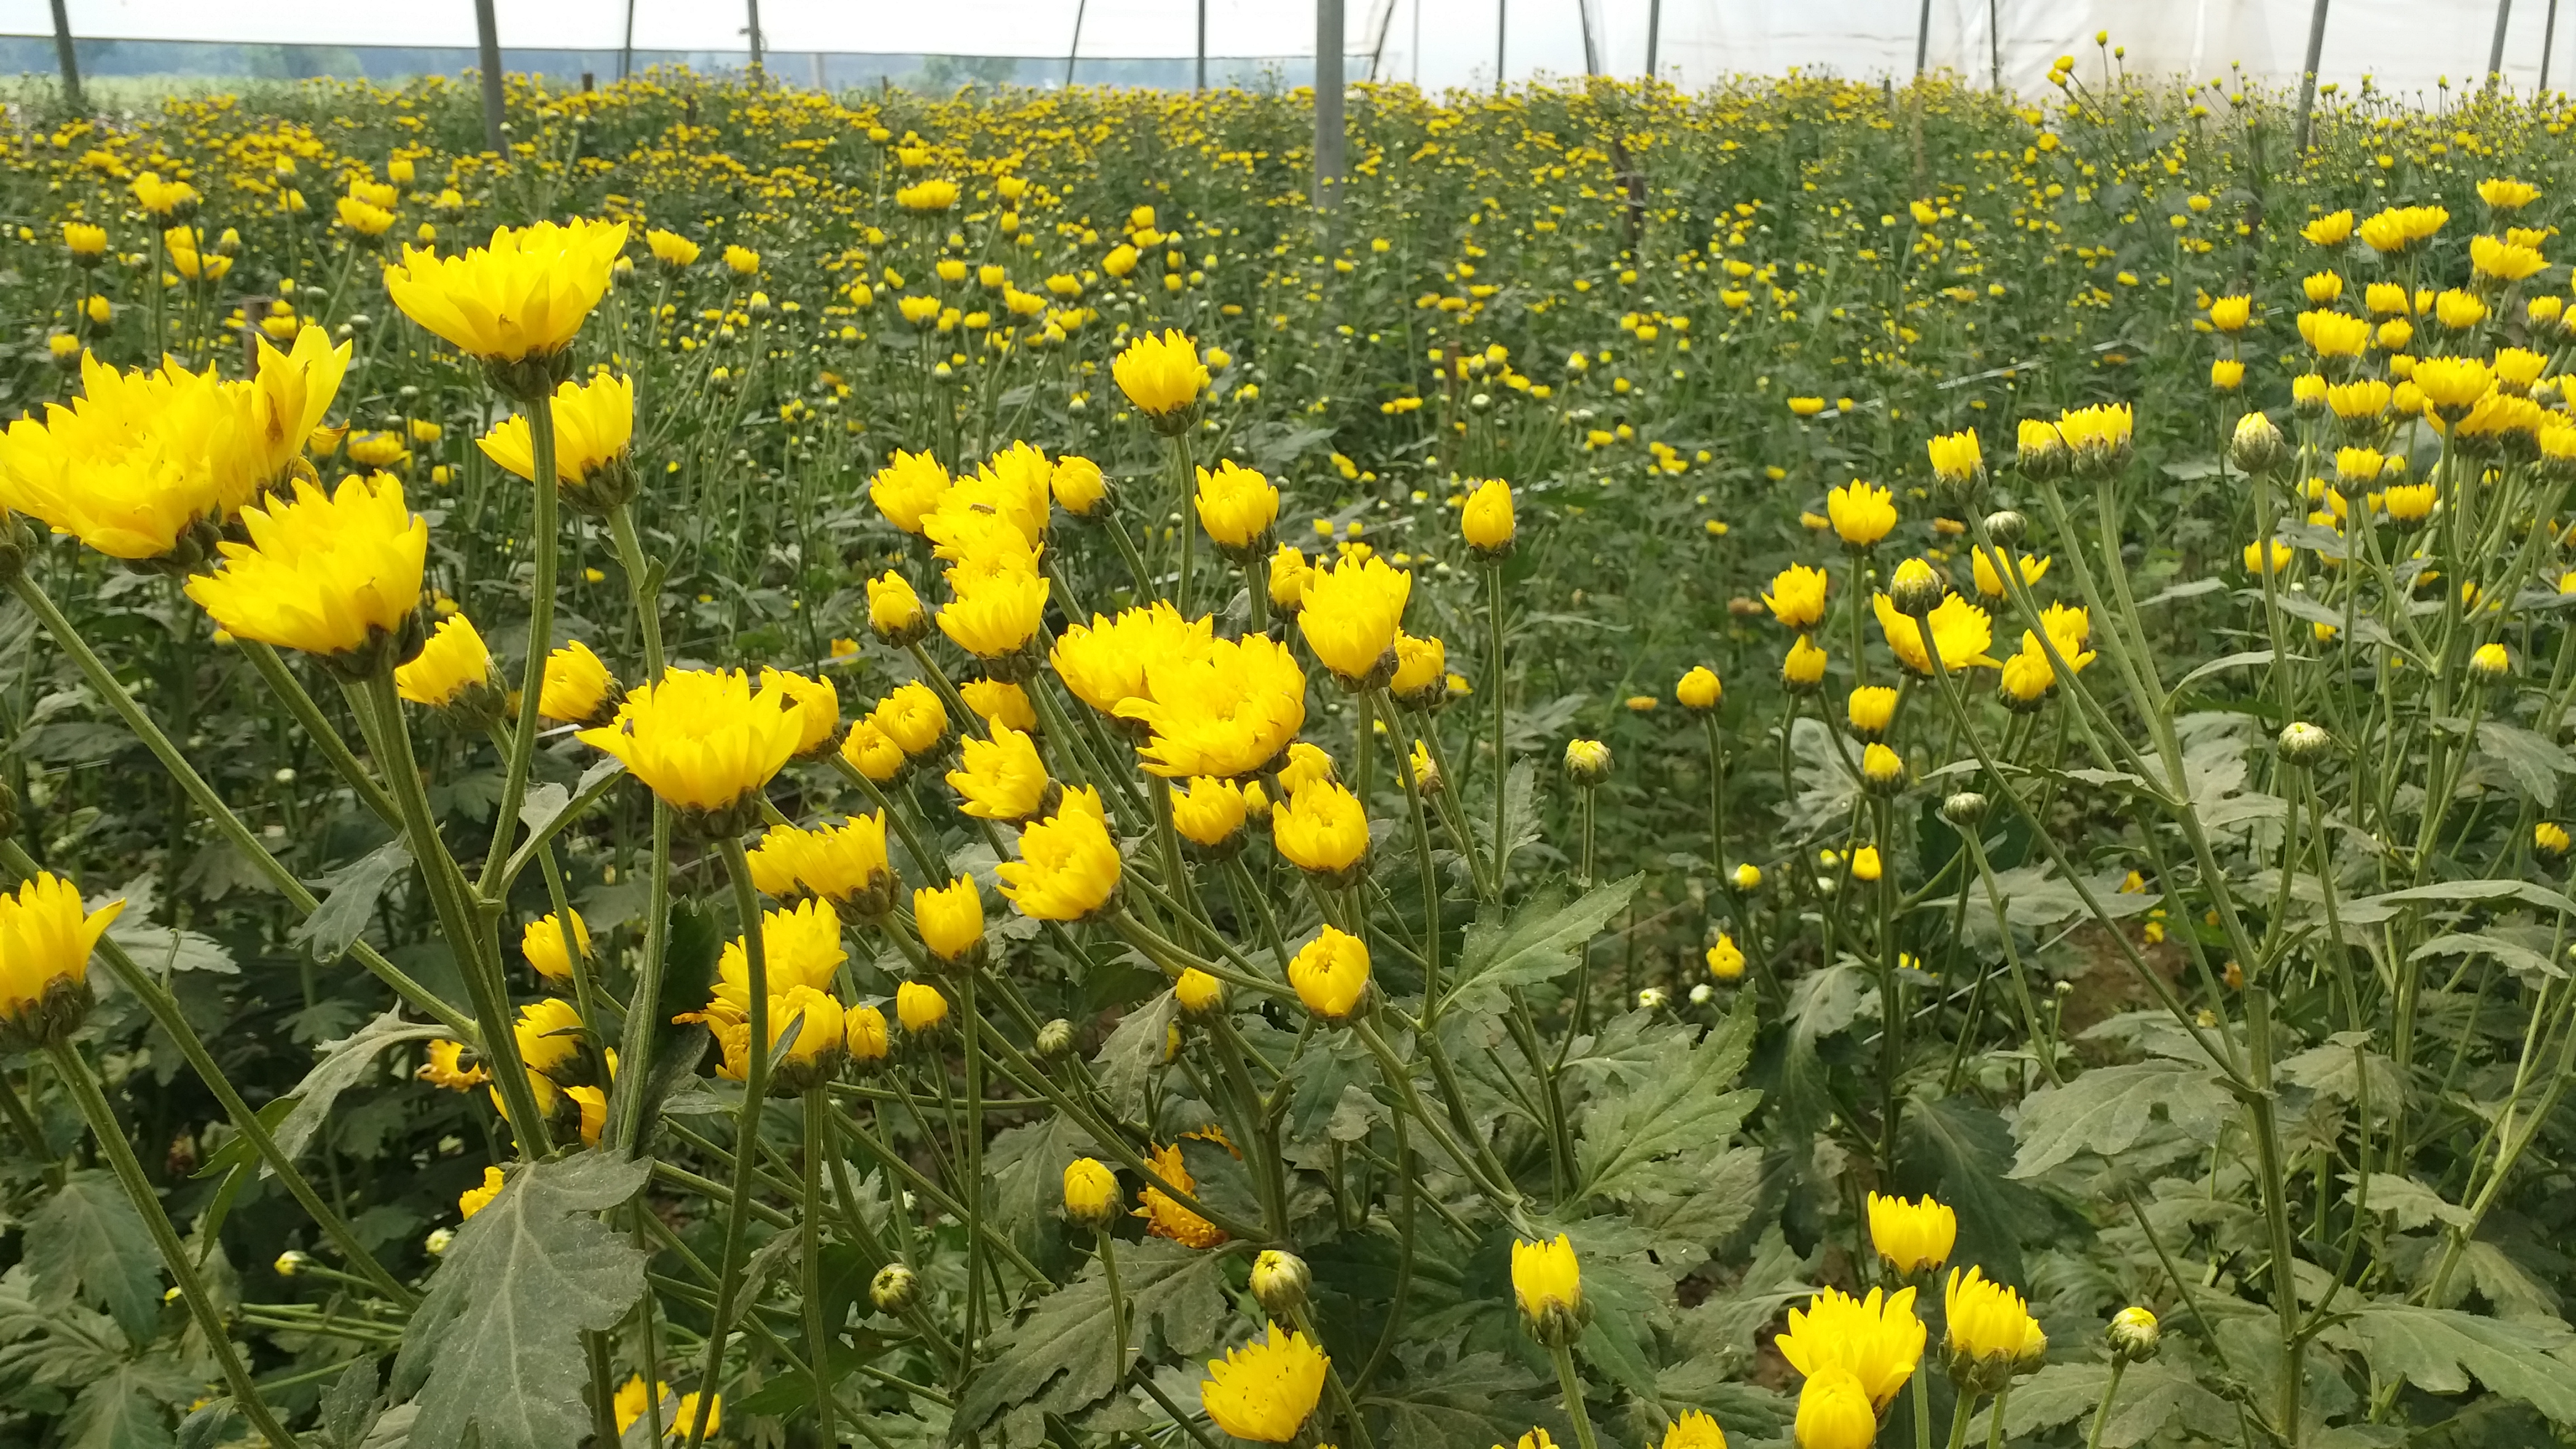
[{"x": 2405, "y": 45}]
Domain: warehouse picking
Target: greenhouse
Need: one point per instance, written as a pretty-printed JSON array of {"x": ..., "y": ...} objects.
[{"x": 1419, "y": 724}]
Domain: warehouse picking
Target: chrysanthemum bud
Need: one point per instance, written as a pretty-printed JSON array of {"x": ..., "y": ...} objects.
[
  {"x": 2549, "y": 839},
  {"x": 290, "y": 1263},
  {"x": 1882, "y": 770},
  {"x": 895, "y": 1289},
  {"x": 1280, "y": 1281},
  {"x": 2133, "y": 1335},
  {"x": 1652, "y": 998},
  {"x": 438, "y": 1242},
  {"x": 1201, "y": 996},
  {"x": 2302, "y": 743},
  {"x": 2490, "y": 664},
  {"x": 2006, "y": 527},
  {"x": 1916, "y": 590},
  {"x": 1055, "y": 1039},
  {"x": 1965, "y": 807},
  {"x": 2257, "y": 447},
  {"x": 1092, "y": 1196},
  {"x": 1587, "y": 762},
  {"x": 1748, "y": 877}
]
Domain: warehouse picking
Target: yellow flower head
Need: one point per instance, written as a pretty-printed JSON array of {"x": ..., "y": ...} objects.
[
  {"x": 2503, "y": 261},
  {"x": 1331, "y": 974},
  {"x": 1305, "y": 762},
  {"x": 1198, "y": 993},
  {"x": 549, "y": 1033},
  {"x": 702, "y": 739},
  {"x": 2400, "y": 228},
  {"x": 86, "y": 242},
  {"x": 936, "y": 194},
  {"x": 1210, "y": 812},
  {"x": 818, "y": 1022},
  {"x": 289, "y": 394},
  {"x": 1725, "y": 960},
  {"x": 844, "y": 864},
  {"x": 594, "y": 424},
  {"x": 894, "y": 610},
  {"x": 2259, "y": 560},
  {"x": 444, "y": 1066},
  {"x": 364, "y": 218},
  {"x": 1421, "y": 670},
  {"x": 1990, "y": 580},
  {"x": 1548, "y": 1283},
  {"x": 1000, "y": 778},
  {"x": 2505, "y": 194},
  {"x": 1911, "y": 1236},
  {"x": 1694, "y": 1430},
  {"x": 2038, "y": 445},
  {"x": 1834, "y": 1412},
  {"x": 1958, "y": 629},
  {"x": 453, "y": 663},
  {"x": 45, "y": 943},
  {"x": 1104, "y": 663},
  {"x": 742, "y": 261},
  {"x": 327, "y": 575},
  {"x": 912, "y": 716},
  {"x": 1265, "y": 1390},
  {"x": 1877, "y": 1339},
  {"x": 164, "y": 198},
  {"x": 994, "y": 615},
  {"x": 2452, "y": 385},
  {"x": 1288, "y": 578},
  {"x": 1078, "y": 485},
  {"x": 950, "y": 918},
  {"x": 1164, "y": 1215},
  {"x": 136, "y": 462},
  {"x": 1862, "y": 513},
  {"x": 1956, "y": 458},
  {"x": 1699, "y": 689},
  {"x": 1237, "y": 506},
  {"x": 523, "y": 294},
  {"x": 2456, "y": 310},
  {"x": 799, "y": 947},
  {"x": 475, "y": 1199},
  {"x": 2231, "y": 314},
  {"x": 550, "y": 943},
  {"x": 2405, "y": 503},
  {"x": 863, "y": 1033},
  {"x": 907, "y": 488},
  {"x": 1227, "y": 708},
  {"x": 1321, "y": 829},
  {"x": 919, "y": 1006},
  {"x": 1804, "y": 668},
  {"x": 1797, "y": 596},
  {"x": 1068, "y": 866},
  {"x": 2360, "y": 401},
  {"x": 1486, "y": 520},
  {"x": 816, "y": 704},
  {"x": 997, "y": 701},
  {"x": 1092, "y": 1196},
  {"x": 1162, "y": 375},
  {"x": 2097, "y": 435},
  {"x": 1870, "y": 710},
  {"x": 671, "y": 249},
  {"x": 1351, "y": 614},
  {"x": 1989, "y": 1326},
  {"x": 578, "y": 688}
]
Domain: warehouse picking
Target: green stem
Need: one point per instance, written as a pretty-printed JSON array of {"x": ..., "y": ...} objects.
[
  {"x": 641, "y": 585},
  {"x": 818, "y": 1334},
  {"x": 83, "y": 1085},
  {"x": 1995, "y": 1423},
  {"x": 1959, "y": 1414},
  {"x": 456, "y": 917},
  {"x": 2102, "y": 1411},
  {"x": 541, "y": 628},
  {"x": 1494, "y": 685},
  {"x": 746, "y": 1146},
  {"x": 635, "y": 1042},
  {"x": 299, "y": 702},
  {"x": 1570, "y": 1384}
]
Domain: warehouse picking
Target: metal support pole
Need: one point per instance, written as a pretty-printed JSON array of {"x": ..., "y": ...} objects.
[
  {"x": 2548, "y": 33},
  {"x": 1075, "y": 48},
  {"x": 626, "y": 47},
  {"x": 753, "y": 30},
  {"x": 1502, "y": 29},
  {"x": 1591, "y": 52},
  {"x": 1995, "y": 45},
  {"x": 1654, "y": 33},
  {"x": 2308, "y": 72},
  {"x": 2495, "y": 51},
  {"x": 1328, "y": 103},
  {"x": 1922, "y": 38},
  {"x": 71, "y": 60},
  {"x": 1199, "y": 83},
  {"x": 487, "y": 37}
]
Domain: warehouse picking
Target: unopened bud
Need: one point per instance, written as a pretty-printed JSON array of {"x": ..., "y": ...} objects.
[
  {"x": 2006, "y": 527},
  {"x": 2257, "y": 447},
  {"x": 2302, "y": 742},
  {"x": 2133, "y": 1335},
  {"x": 1965, "y": 807},
  {"x": 1055, "y": 1039},
  {"x": 1652, "y": 998},
  {"x": 1916, "y": 589},
  {"x": 1587, "y": 762},
  {"x": 1280, "y": 1281},
  {"x": 895, "y": 1289}
]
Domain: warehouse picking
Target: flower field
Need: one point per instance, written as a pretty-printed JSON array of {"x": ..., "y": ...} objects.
[{"x": 1816, "y": 763}]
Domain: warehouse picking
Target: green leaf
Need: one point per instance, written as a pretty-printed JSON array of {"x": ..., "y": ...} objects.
[
  {"x": 2534, "y": 762},
  {"x": 1958, "y": 1149},
  {"x": 688, "y": 968},
  {"x": 1473, "y": 1402},
  {"x": 156, "y": 947},
  {"x": 87, "y": 1240},
  {"x": 2107, "y": 1109},
  {"x": 2513, "y": 954},
  {"x": 1133, "y": 1051},
  {"x": 129, "y": 1407},
  {"x": 349, "y": 897},
  {"x": 349, "y": 1405},
  {"x": 1026, "y": 1164},
  {"x": 496, "y": 1345},
  {"x": 2439, "y": 1350},
  {"x": 2152, "y": 1396},
  {"x": 1539, "y": 940},
  {"x": 1688, "y": 1108},
  {"x": 344, "y": 1064},
  {"x": 2371, "y": 910},
  {"x": 1058, "y": 1360}
]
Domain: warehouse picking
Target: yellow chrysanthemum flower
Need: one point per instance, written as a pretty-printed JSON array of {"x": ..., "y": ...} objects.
[
  {"x": 594, "y": 426},
  {"x": 999, "y": 778},
  {"x": 550, "y": 944},
  {"x": 454, "y": 665},
  {"x": 1321, "y": 829},
  {"x": 475, "y": 1199},
  {"x": 1331, "y": 974},
  {"x": 994, "y": 615},
  {"x": 524, "y": 294},
  {"x": 1991, "y": 1331},
  {"x": 1959, "y": 629},
  {"x": 1068, "y": 866},
  {"x": 1862, "y": 513},
  {"x": 1266, "y": 1390},
  {"x": 844, "y": 864},
  {"x": 1351, "y": 613},
  {"x": 950, "y": 918},
  {"x": 1877, "y": 1339},
  {"x": 1227, "y": 707},
  {"x": 1237, "y": 507},
  {"x": 1797, "y": 596},
  {"x": 1834, "y": 1412},
  {"x": 45, "y": 942},
  {"x": 1911, "y": 1236},
  {"x": 1164, "y": 1216},
  {"x": 1548, "y": 1283},
  {"x": 1486, "y": 521},
  {"x": 701, "y": 739},
  {"x": 1210, "y": 812},
  {"x": 1162, "y": 376},
  {"x": 327, "y": 575}
]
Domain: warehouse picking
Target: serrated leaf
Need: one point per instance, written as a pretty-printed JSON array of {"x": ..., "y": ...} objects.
[
  {"x": 1134, "y": 1049},
  {"x": 1056, "y": 1358},
  {"x": 2152, "y": 1396},
  {"x": 2513, "y": 954},
  {"x": 2439, "y": 1350},
  {"x": 344, "y": 1063},
  {"x": 692, "y": 946},
  {"x": 2107, "y": 1109},
  {"x": 1539, "y": 940},
  {"x": 1478, "y": 1401},
  {"x": 349, "y": 1405},
  {"x": 88, "y": 1242},
  {"x": 2410, "y": 1204},
  {"x": 2534, "y": 762},
  {"x": 1026, "y": 1165},
  {"x": 1958, "y": 1149},
  {"x": 1688, "y": 1107},
  {"x": 496, "y": 1344},
  {"x": 349, "y": 897},
  {"x": 129, "y": 1406},
  {"x": 2371, "y": 910}
]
